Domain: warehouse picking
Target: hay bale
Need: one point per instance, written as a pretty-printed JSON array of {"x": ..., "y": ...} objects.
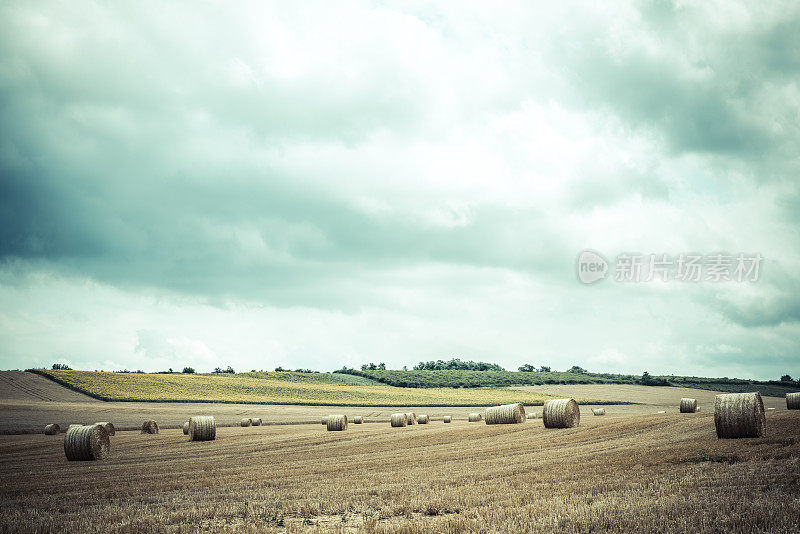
[
  {"x": 109, "y": 427},
  {"x": 52, "y": 430},
  {"x": 447, "y": 419},
  {"x": 662, "y": 411},
  {"x": 88, "y": 442},
  {"x": 793, "y": 401},
  {"x": 598, "y": 411},
  {"x": 150, "y": 427},
  {"x": 531, "y": 415},
  {"x": 411, "y": 417},
  {"x": 561, "y": 413},
  {"x": 506, "y": 414},
  {"x": 739, "y": 415},
  {"x": 255, "y": 421},
  {"x": 74, "y": 425},
  {"x": 399, "y": 419},
  {"x": 246, "y": 422},
  {"x": 186, "y": 428},
  {"x": 770, "y": 408},
  {"x": 358, "y": 419},
  {"x": 202, "y": 428},
  {"x": 474, "y": 417},
  {"x": 337, "y": 422},
  {"x": 422, "y": 419},
  {"x": 688, "y": 405}
]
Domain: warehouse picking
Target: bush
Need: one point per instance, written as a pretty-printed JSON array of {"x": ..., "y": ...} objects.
[
  {"x": 188, "y": 370},
  {"x": 61, "y": 367}
]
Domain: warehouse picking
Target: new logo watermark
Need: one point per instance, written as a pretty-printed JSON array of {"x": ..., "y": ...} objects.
[{"x": 592, "y": 267}]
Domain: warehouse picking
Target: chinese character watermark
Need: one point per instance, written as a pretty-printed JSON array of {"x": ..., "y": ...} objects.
[{"x": 684, "y": 267}]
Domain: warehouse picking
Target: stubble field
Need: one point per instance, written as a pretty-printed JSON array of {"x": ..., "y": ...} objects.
[{"x": 645, "y": 473}]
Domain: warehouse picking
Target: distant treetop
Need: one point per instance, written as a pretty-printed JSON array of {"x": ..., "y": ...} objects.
[{"x": 457, "y": 365}]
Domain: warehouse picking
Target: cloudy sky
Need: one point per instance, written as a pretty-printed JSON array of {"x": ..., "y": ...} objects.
[{"x": 310, "y": 185}]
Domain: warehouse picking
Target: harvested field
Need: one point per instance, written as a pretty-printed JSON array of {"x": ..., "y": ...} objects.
[
  {"x": 22, "y": 386},
  {"x": 514, "y": 480},
  {"x": 646, "y": 397},
  {"x": 29, "y": 414}
]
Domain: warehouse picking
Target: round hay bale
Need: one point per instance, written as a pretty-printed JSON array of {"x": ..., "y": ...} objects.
[
  {"x": 662, "y": 411},
  {"x": 698, "y": 409},
  {"x": 474, "y": 417},
  {"x": 246, "y": 422},
  {"x": 202, "y": 428},
  {"x": 688, "y": 405},
  {"x": 506, "y": 414},
  {"x": 769, "y": 409},
  {"x": 186, "y": 428},
  {"x": 531, "y": 415},
  {"x": 52, "y": 430},
  {"x": 109, "y": 427},
  {"x": 411, "y": 417},
  {"x": 739, "y": 415},
  {"x": 561, "y": 413},
  {"x": 337, "y": 422},
  {"x": 399, "y": 419},
  {"x": 88, "y": 442},
  {"x": 150, "y": 427},
  {"x": 793, "y": 401},
  {"x": 599, "y": 411},
  {"x": 358, "y": 419},
  {"x": 447, "y": 419},
  {"x": 255, "y": 421},
  {"x": 422, "y": 419}
]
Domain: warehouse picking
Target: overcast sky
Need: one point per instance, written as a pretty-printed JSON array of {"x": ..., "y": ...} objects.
[{"x": 318, "y": 185}]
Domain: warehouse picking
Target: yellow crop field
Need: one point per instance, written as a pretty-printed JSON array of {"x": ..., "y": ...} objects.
[{"x": 275, "y": 388}]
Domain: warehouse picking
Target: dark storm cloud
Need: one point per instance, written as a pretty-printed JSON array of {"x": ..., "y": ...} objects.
[{"x": 704, "y": 88}]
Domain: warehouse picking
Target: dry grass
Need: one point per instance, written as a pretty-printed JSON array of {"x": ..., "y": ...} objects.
[
  {"x": 149, "y": 427},
  {"x": 505, "y": 414},
  {"x": 32, "y": 416},
  {"x": 337, "y": 422},
  {"x": 652, "y": 473},
  {"x": 688, "y": 405},
  {"x": 108, "y": 426},
  {"x": 739, "y": 415},
  {"x": 399, "y": 419},
  {"x": 561, "y": 413},
  {"x": 202, "y": 428},
  {"x": 88, "y": 442}
]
